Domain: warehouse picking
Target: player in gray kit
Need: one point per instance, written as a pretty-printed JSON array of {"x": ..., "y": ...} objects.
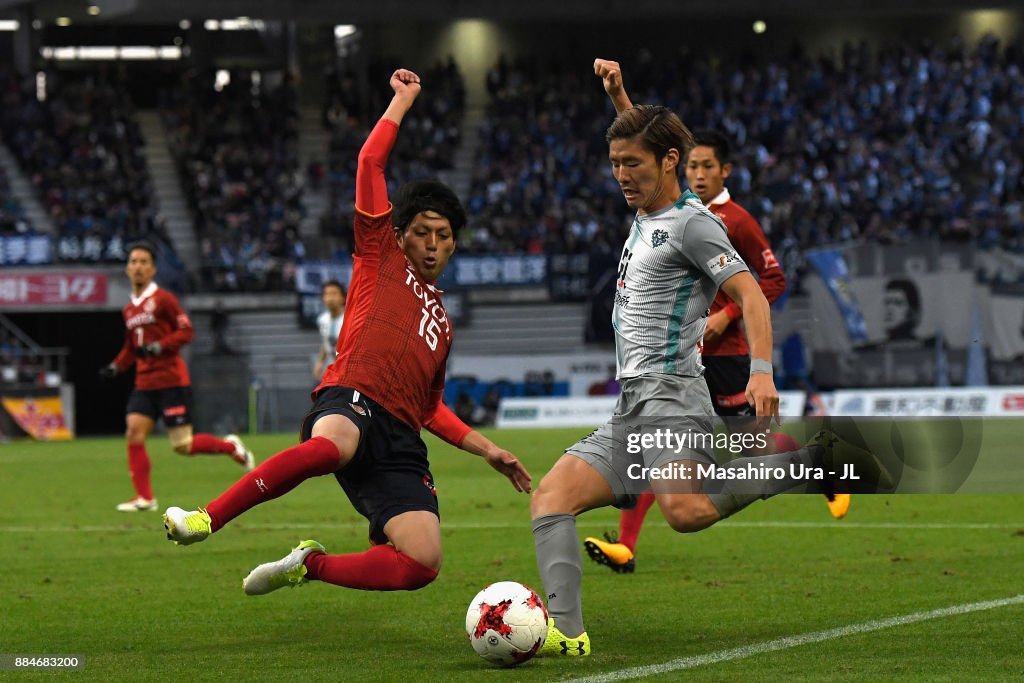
[{"x": 675, "y": 259}]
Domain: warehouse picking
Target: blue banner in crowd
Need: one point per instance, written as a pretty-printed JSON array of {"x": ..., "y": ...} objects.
[
  {"x": 832, "y": 268},
  {"x": 25, "y": 250},
  {"x": 495, "y": 271},
  {"x": 311, "y": 275}
]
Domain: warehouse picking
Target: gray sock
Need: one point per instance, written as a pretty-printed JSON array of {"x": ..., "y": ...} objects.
[
  {"x": 560, "y": 562},
  {"x": 729, "y": 496}
]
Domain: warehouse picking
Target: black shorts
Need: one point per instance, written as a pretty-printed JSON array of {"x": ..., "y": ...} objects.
[
  {"x": 173, "y": 404},
  {"x": 727, "y": 378},
  {"x": 390, "y": 473}
]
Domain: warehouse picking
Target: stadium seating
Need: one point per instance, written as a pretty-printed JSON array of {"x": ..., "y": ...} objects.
[
  {"x": 82, "y": 151},
  {"x": 430, "y": 136},
  {"x": 888, "y": 145},
  {"x": 237, "y": 153}
]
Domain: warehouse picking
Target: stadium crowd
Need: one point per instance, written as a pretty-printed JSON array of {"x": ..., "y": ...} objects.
[
  {"x": 891, "y": 145},
  {"x": 431, "y": 134},
  {"x": 81, "y": 148},
  {"x": 237, "y": 151},
  {"x": 12, "y": 217}
]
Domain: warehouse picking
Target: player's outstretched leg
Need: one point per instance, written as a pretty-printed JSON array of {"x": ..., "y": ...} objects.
[
  {"x": 411, "y": 563},
  {"x": 838, "y": 503},
  {"x": 274, "y": 477},
  {"x": 839, "y": 455},
  {"x": 289, "y": 571},
  {"x": 572, "y": 486},
  {"x": 187, "y": 443}
]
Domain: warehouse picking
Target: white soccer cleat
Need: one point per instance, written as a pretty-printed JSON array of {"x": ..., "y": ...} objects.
[
  {"x": 137, "y": 504},
  {"x": 288, "y": 571},
  {"x": 242, "y": 455},
  {"x": 186, "y": 527}
]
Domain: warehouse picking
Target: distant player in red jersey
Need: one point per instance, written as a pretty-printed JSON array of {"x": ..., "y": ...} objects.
[
  {"x": 385, "y": 384},
  {"x": 156, "y": 328},
  {"x": 725, "y": 353}
]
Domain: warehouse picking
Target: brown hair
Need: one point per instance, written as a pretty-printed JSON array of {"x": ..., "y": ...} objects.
[{"x": 658, "y": 128}]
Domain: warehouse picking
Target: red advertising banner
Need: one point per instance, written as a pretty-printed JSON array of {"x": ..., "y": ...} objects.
[{"x": 34, "y": 289}]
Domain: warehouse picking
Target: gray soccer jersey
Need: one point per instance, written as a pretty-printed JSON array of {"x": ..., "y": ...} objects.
[{"x": 671, "y": 267}]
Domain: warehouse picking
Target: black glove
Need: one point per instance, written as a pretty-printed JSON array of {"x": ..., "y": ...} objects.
[
  {"x": 108, "y": 371},
  {"x": 150, "y": 349}
]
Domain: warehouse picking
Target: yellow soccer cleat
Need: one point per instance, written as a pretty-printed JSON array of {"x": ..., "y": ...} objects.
[
  {"x": 557, "y": 644},
  {"x": 838, "y": 504},
  {"x": 186, "y": 527},
  {"x": 612, "y": 554},
  {"x": 289, "y": 571}
]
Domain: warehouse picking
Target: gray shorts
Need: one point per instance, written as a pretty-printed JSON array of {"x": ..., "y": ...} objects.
[{"x": 648, "y": 403}]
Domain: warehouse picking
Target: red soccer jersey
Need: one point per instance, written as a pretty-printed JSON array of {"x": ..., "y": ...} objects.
[
  {"x": 746, "y": 235},
  {"x": 155, "y": 316},
  {"x": 396, "y": 338}
]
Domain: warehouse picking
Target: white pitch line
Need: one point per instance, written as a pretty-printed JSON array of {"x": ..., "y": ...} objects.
[
  {"x": 795, "y": 641},
  {"x": 358, "y": 524}
]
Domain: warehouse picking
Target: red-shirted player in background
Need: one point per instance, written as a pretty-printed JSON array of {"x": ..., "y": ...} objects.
[
  {"x": 156, "y": 328},
  {"x": 725, "y": 354},
  {"x": 385, "y": 384}
]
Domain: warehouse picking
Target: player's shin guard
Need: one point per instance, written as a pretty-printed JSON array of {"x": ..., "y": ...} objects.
[
  {"x": 274, "y": 477},
  {"x": 631, "y": 520},
  {"x": 208, "y": 443},
  {"x": 138, "y": 465},
  {"x": 561, "y": 569},
  {"x": 729, "y": 495},
  {"x": 381, "y": 568}
]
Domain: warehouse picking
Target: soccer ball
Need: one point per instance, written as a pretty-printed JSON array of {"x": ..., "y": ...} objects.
[{"x": 507, "y": 623}]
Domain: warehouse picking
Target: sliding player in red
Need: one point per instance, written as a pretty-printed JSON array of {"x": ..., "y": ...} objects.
[
  {"x": 385, "y": 384},
  {"x": 156, "y": 328},
  {"x": 725, "y": 353}
]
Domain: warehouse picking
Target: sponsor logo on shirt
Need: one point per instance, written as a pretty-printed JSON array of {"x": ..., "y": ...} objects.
[
  {"x": 769, "y": 259},
  {"x": 140, "y": 319},
  {"x": 723, "y": 261}
]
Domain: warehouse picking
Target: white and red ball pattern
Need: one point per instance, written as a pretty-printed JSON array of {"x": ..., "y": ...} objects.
[{"x": 507, "y": 623}]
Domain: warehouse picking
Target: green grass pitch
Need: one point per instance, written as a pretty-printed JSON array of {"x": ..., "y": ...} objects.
[{"x": 80, "y": 578}]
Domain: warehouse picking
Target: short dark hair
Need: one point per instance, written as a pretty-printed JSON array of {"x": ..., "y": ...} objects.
[
  {"x": 427, "y": 195},
  {"x": 909, "y": 290},
  {"x": 144, "y": 246},
  {"x": 658, "y": 128},
  {"x": 707, "y": 137},
  {"x": 332, "y": 283}
]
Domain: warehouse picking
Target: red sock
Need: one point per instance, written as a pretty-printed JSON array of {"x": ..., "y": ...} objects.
[
  {"x": 208, "y": 443},
  {"x": 274, "y": 477},
  {"x": 784, "y": 443},
  {"x": 631, "y": 520},
  {"x": 138, "y": 465},
  {"x": 381, "y": 568}
]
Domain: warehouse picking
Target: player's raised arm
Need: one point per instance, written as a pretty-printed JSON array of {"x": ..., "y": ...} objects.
[
  {"x": 611, "y": 75},
  {"x": 371, "y": 185}
]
